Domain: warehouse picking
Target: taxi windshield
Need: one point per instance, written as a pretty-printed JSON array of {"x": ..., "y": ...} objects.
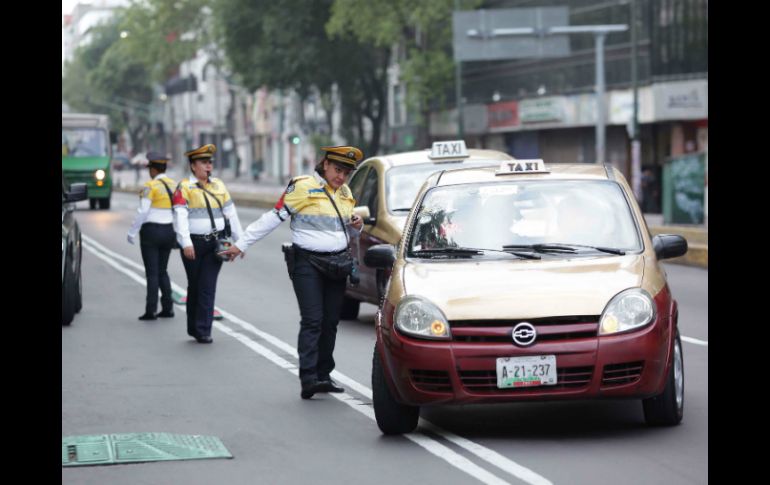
[
  {"x": 403, "y": 183},
  {"x": 586, "y": 214}
]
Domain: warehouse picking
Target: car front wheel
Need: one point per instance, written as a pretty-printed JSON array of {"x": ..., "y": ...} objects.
[
  {"x": 392, "y": 416},
  {"x": 667, "y": 408},
  {"x": 68, "y": 297}
]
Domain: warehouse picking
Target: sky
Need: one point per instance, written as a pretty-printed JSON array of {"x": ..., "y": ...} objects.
[{"x": 68, "y": 5}]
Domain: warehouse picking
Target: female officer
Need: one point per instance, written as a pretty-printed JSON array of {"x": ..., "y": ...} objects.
[
  {"x": 153, "y": 223},
  {"x": 201, "y": 204},
  {"x": 316, "y": 230}
]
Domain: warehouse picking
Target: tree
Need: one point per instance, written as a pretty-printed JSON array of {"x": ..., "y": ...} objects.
[
  {"x": 423, "y": 30},
  {"x": 282, "y": 44},
  {"x": 105, "y": 78}
]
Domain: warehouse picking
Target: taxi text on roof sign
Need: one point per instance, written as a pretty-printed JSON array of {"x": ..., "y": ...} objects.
[
  {"x": 522, "y": 166},
  {"x": 448, "y": 150}
]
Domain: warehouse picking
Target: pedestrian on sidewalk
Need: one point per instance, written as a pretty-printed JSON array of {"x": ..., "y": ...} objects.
[
  {"x": 154, "y": 224},
  {"x": 321, "y": 210},
  {"x": 203, "y": 210}
]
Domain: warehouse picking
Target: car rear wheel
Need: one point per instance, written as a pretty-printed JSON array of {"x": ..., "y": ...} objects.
[
  {"x": 392, "y": 417},
  {"x": 68, "y": 297},
  {"x": 350, "y": 307},
  {"x": 667, "y": 408}
]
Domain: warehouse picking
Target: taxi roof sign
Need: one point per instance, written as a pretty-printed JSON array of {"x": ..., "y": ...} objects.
[
  {"x": 513, "y": 167},
  {"x": 452, "y": 149}
]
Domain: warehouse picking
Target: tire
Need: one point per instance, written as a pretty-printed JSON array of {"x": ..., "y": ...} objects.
[
  {"x": 392, "y": 417},
  {"x": 104, "y": 203},
  {"x": 350, "y": 307},
  {"x": 92, "y": 203},
  {"x": 667, "y": 408},
  {"x": 68, "y": 297},
  {"x": 79, "y": 294}
]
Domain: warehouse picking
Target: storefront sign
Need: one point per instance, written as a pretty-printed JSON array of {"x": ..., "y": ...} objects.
[
  {"x": 542, "y": 109},
  {"x": 682, "y": 100},
  {"x": 502, "y": 115}
]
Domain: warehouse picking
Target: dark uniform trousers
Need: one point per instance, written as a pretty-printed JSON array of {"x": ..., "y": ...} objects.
[
  {"x": 202, "y": 273},
  {"x": 156, "y": 242},
  {"x": 320, "y": 303}
]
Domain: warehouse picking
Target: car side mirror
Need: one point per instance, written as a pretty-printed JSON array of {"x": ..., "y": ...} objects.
[
  {"x": 669, "y": 246},
  {"x": 78, "y": 191},
  {"x": 380, "y": 256},
  {"x": 363, "y": 212}
]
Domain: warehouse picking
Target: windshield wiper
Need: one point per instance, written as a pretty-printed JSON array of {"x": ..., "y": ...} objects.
[
  {"x": 460, "y": 251},
  {"x": 563, "y": 247},
  {"x": 401, "y": 209}
]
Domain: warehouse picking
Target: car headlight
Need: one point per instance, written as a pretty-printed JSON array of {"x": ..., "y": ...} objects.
[
  {"x": 99, "y": 174},
  {"x": 418, "y": 317},
  {"x": 628, "y": 310}
]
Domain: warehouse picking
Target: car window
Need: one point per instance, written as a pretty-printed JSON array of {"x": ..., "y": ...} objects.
[
  {"x": 357, "y": 183},
  {"x": 489, "y": 216},
  {"x": 369, "y": 193},
  {"x": 403, "y": 183}
]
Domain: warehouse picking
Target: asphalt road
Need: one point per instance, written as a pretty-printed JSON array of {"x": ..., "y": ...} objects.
[{"x": 122, "y": 375}]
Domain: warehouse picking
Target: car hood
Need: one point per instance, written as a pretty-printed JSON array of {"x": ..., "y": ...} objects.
[{"x": 476, "y": 290}]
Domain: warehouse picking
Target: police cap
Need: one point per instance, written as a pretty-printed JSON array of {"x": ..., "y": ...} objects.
[
  {"x": 155, "y": 157},
  {"x": 205, "y": 152},
  {"x": 344, "y": 155}
]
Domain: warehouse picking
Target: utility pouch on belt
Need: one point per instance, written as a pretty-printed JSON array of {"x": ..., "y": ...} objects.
[{"x": 288, "y": 255}]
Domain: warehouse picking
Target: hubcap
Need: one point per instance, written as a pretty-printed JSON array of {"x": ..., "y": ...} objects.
[{"x": 678, "y": 375}]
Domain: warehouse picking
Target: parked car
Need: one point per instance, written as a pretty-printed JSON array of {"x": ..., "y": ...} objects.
[
  {"x": 526, "y": 283},
  {"x": 71, "y": 252},
  {"x": 384, "y": 188}
]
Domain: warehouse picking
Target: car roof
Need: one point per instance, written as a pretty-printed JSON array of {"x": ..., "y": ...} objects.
[
  {"x": 422, "y": 156},
  {"x": 557, "y": 171}
]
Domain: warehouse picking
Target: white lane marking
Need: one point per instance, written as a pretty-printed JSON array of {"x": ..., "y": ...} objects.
[
  {"x": 430, "y": 445},
  {"x": 695, "y": 341}
]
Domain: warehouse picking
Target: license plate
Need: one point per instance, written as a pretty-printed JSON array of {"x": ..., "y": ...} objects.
[{"x": 535, "y": 370}]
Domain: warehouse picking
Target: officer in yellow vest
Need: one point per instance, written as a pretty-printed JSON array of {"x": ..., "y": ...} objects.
[
  {"x": 201, "y": 205},
  {"x": 316, "y": 230},
  {"x": 154, "y": 224}
]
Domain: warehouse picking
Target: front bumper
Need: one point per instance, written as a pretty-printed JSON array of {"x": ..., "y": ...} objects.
[{"x": 632, "y": 365}]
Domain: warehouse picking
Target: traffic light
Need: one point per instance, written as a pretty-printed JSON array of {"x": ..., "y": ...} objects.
[{"x": 294, "y": 139}]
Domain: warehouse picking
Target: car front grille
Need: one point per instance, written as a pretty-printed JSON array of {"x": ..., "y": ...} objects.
[
  {"x": 485, "y": 381},
  {"x": 431, "y": 380},
  {"x": 551, "y": 329},
  {"x": 620, "y": 374}
]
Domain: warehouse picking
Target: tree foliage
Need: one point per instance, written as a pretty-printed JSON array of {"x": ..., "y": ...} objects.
[{"x": 282, "y": 44}]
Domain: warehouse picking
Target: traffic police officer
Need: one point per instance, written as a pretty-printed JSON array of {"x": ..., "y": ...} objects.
[
  {"x": 154, "y": 224},
  {"x": 316, "y": 229},
  {"x": 197, "y": 200}
]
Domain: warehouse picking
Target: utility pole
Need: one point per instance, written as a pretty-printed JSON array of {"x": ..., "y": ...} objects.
[
  {"x": 459, "y": 89},
  {"x": 636, "y": 151}
]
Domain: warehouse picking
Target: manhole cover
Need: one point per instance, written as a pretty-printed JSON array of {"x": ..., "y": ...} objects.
[{"x": 111, "y": 449}]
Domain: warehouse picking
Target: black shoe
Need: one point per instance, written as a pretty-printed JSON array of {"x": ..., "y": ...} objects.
[
  {"x": 310, "y": 388},
  {"x": 328, "y": 385},
  {"x": 148, "y": 316},
  {"x": 166, "y": 314},
  {"x": 206, "y": 339}
]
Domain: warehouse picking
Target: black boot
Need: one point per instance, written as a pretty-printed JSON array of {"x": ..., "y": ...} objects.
[{"x": 148, "y": 316}]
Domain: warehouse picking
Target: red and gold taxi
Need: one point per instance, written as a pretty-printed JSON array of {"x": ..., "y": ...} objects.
[
  {"x": 384, "y": 188},
  {"x": 526, "y": 282}
]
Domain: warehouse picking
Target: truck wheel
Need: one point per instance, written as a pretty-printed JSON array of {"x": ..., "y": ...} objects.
[
  {"x": 92, "y": 203},
  {"x": 104, "y": 203},
  {"x": 392, "y": 416}
]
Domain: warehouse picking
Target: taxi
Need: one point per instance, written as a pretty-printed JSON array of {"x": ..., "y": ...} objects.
[
  {"x": 526, "y": 282},
  {"x": 384, "y": 188}
]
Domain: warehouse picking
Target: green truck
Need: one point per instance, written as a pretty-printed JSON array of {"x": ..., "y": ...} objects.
[{"x": 86, "y": 155}]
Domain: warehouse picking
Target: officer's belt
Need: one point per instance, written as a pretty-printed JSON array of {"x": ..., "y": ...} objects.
[
  {"x": 318, "y": 253},
  {"x": 205, "y": 237}
]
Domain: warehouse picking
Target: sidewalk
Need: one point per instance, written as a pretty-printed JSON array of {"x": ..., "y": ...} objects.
[{"x": 247, "y": 192}]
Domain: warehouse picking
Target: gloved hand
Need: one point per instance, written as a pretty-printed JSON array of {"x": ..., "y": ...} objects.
[{"x": 130, "y": 239}]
